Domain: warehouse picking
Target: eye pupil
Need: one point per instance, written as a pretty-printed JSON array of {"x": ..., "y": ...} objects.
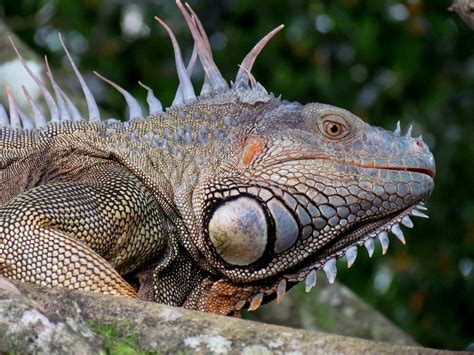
[{"x": 334, "y": 127}]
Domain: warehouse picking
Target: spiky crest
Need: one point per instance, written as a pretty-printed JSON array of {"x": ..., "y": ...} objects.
[{"x": 61, "y": 108}]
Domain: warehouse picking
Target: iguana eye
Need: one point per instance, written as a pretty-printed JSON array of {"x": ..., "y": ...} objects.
[
  {"x": 334, "y": 126},
  {"x": 238, "y": 230}
]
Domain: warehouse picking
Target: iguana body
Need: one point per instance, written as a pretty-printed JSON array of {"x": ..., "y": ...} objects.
[{"x": 223, "y": 201}]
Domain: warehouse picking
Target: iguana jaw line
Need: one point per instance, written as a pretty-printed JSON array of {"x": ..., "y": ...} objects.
[{"x": 328, "y": 262}]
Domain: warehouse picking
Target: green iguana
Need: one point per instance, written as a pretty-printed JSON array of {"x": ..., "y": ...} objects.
[{"x": 223, "y": 201}]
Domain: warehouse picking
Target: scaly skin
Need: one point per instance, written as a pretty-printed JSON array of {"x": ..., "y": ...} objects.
[{"x": 215, "y": 205}]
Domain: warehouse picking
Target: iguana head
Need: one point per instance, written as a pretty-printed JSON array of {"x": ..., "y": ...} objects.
[{"x": 303, "y": 186}]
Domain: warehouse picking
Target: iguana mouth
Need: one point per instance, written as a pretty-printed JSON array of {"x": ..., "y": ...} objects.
[
  {"x": 362, "y": 234},
  {"x": 425, "y": 171},
  {"x": 428, "y": 169}
]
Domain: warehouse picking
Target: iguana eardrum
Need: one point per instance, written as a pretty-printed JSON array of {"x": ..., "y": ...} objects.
[{"x": 223, "y": 201}]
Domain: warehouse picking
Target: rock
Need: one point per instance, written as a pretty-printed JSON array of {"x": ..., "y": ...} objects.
[{"x": 42, "y": 320}]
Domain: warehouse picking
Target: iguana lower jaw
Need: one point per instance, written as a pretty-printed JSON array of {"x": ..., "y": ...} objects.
[{"x": 223, "y": 296}]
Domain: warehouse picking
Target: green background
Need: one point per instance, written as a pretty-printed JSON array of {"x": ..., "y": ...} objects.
[{"x": 384, "y": 60}]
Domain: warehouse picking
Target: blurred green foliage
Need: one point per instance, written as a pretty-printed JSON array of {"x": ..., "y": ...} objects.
[{"x": 385, "y": 60}]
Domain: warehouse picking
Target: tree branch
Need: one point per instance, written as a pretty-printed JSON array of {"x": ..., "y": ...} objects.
[{"x": 53, "y": 320}]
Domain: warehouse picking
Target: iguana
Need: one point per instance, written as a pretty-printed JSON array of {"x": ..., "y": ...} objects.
[{"x": 221, "y": 202}]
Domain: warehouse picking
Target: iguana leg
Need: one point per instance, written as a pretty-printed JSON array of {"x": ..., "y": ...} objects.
[
  {"x": 51, "y": 258},
  {"x": 76, "y": 235}
]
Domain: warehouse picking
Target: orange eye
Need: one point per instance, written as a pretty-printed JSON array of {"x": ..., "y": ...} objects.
[
  {"x": 334, "y": 126},
  {"x": 333, "y": 129}
]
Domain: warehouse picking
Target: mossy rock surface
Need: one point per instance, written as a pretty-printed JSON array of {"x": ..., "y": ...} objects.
[{"x": 38, "y": 320}]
